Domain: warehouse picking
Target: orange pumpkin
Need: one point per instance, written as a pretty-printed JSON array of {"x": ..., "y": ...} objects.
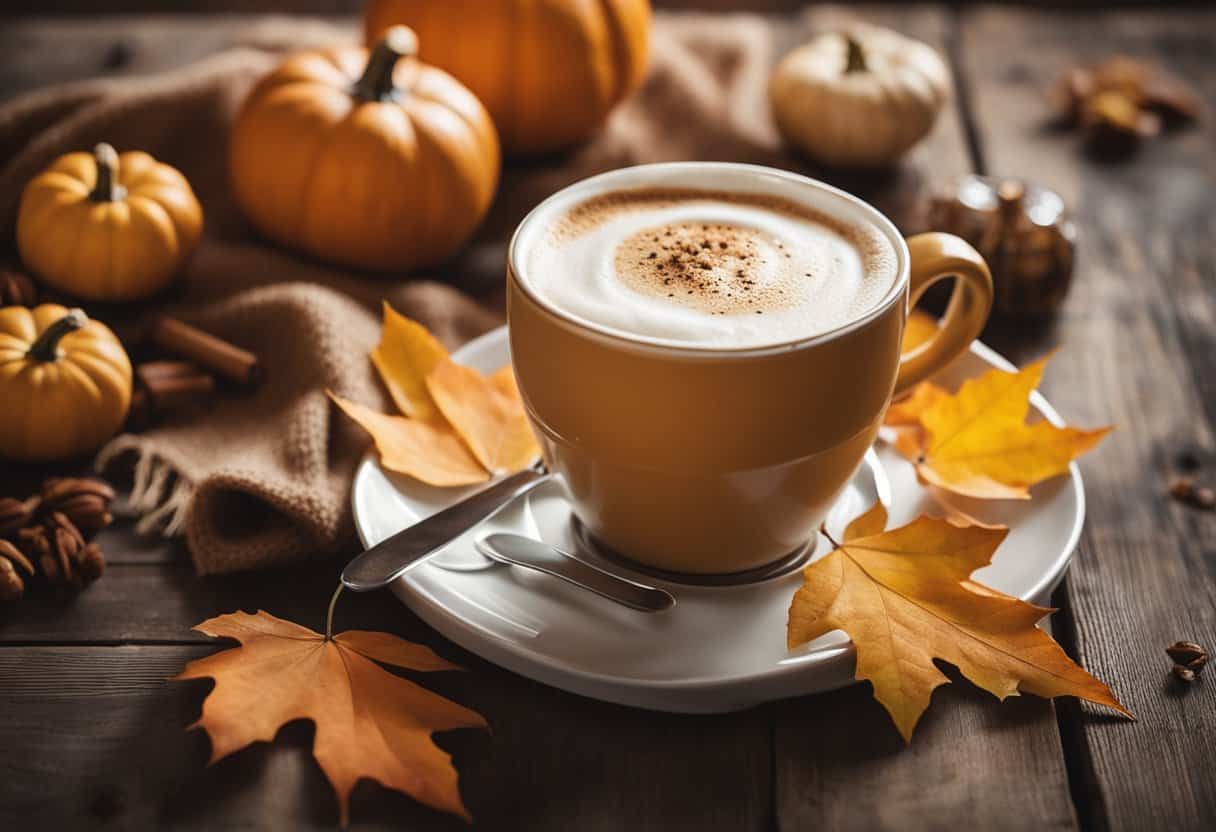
[
  {"x": 65, "y": 382},
  {"x": 548, "y": 72},
  {"x": 107, "y": 227},
  {"x": 365, "y": 159}
]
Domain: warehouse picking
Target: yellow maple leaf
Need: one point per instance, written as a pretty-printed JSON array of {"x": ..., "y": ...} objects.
[
  {"x": 905, "y": 598},
  {"x": 487, "y": 413},
  {"x": 503, "y": 380},
  {"x": 405, "y": 355},
  {"x": 976, "y": 442},
  {"x": 427, "y": 451},
  {"x": 369, "y": 723},
  {"x": 918, "y": 329},
  {"x": 459, "y": 426}
]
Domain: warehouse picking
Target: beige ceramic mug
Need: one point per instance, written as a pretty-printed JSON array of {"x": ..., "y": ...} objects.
[{"x": 707, "y": 460}]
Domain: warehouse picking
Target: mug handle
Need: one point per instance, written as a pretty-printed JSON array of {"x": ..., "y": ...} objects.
[{"x": 936, "y": 256}]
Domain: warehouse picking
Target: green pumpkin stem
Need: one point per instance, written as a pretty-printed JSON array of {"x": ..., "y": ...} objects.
[
  {"x": 856, "y": 60},
  {"x": 46, "y": 348},
  {"x": 376, "y": 83},
  {"x": 107, "y": 188}
]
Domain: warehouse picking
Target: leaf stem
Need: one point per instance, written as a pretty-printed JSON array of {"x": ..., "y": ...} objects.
[
  {"x": 823, "y": 530},
  {"x": 329, "y": 616}
]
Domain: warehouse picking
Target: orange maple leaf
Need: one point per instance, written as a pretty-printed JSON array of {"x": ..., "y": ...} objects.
[
  {"x": 405, "y": 355},
  {"x": 369, "y": 723},
  {"x": 460, "y": 427},
  {"x": 977, "y": 442},
  {"x": 905, "y": 597},
  {"x": 486, "y": 413},
  {"x": 427, "y": 451}
]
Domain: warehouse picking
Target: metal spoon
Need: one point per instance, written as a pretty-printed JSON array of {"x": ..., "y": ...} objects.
[
  {"x": 518, "y": 550},
  {"x": 391, "y": 558}
]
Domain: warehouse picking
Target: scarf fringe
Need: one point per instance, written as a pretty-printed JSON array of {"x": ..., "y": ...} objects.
[{"x": 160, "y": 497}]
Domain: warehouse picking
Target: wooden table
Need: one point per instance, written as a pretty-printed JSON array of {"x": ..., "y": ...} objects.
[{"x": 92, "y": 734}]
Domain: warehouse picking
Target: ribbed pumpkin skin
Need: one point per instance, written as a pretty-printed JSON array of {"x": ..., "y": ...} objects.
[
  {"x": 122, "y": 250},
  {"x": 380, "y": 185},
  {"x": 59, "y": 409},
  {"x": 866, "y": 118},
  {"x": 549, "y": 71}
]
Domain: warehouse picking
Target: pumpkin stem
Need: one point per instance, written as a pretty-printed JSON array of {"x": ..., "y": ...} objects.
[
  {"x": 856, "y": 60},
  {"x": 376, "y": 83},
  {"x": 107, "y": 188},
  {"x": 1009, "y": 196},
  {"x": 46, "y": 348}
]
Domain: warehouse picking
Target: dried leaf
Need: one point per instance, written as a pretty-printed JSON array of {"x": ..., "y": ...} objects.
[
  {"x": 491, "y": 422},
  {"x": 901, "y": 425},
  {"x": 918, "y": 330},
  {"x": 976, "y": 442},
  {"x": 427, "y": 451},
  {"x": 461, "y": 426},
  {"x": 369, "y": 722},
  {"x": 905, "y": 598},
  {"x": 405, "y": 356},
  {"x": 907, "y": 411},
  {"x": 503, "y": 380}
]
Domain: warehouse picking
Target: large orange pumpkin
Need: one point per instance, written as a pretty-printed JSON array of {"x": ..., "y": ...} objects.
[
  {"x": 371, "y": 160},
  {"x": 549, "y": 71}
]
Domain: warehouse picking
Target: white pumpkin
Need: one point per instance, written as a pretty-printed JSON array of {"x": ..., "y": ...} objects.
[{"x": 861, "y": 98}]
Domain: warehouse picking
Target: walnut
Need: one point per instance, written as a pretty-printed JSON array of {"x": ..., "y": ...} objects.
[
  {"x": 1121, "y": 102},
  {"x": 48, "y": 535},
  {"x": 12, "y": 586},
  {"x": 85, "y": 501},
  {"x": 16, "y": 514}
]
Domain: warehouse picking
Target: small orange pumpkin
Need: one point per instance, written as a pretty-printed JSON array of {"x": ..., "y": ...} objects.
[
  {"x": 107, "y": 227},
  {"x": 365, "y": 159},
  {"x": 65, "y": 383},
  {"x": 549, "y": 73}
]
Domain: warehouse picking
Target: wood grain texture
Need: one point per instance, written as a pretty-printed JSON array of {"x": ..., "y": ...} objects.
[
  {"x": 43, "y": 51},
  {"x": 1138, "y": 342},
  {"x": 97, "y": 734},
  {"x": 973, "y": 763},
  {"x": 159, "y": 603},
  {"x": 94, "y": 735}
]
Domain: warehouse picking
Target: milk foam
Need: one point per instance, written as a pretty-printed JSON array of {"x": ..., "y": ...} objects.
[{"x": 708, "y": 268}]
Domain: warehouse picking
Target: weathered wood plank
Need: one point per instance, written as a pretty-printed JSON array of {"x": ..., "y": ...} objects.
[
  {"x": 973, "y": 763},
  {"x": 40, "y": 51},
  {"x": 150, "y": 603},
  {"x": 97, "y": 734},
  {"x": 1138, "y": 339}
]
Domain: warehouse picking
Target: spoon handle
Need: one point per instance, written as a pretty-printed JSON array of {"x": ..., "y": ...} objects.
[
  {"x": 518, "y": 550},
  {"x": 390, "y": 558}
]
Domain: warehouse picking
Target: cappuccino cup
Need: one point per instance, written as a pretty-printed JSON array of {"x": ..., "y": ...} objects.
[{"x": 706, "y": 351}]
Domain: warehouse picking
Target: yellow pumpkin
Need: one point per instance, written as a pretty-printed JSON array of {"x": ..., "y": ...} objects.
[
  {"x": 65, "y": 382},
  {"x": 365, "y": 159},
  {"x": 549, "y": 73},
  {"x": 107, "y": 227}
]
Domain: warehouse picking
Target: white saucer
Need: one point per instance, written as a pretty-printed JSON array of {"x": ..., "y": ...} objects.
[{"x": 720, "y": 648}]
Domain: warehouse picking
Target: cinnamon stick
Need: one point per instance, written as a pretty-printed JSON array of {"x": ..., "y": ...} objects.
[
  {"x": 210, "y": 352},
  {"x": 170, "y": 384}
]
